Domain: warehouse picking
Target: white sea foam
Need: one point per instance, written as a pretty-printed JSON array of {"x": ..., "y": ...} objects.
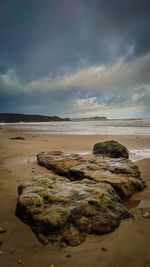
[
  {"x": 134, "y": 154},
  {"x": 138, "y": 154},
  {"x": 109, "y": 127}
]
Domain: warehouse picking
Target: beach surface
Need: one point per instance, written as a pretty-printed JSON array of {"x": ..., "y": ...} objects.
[{"x": 129, "y": 245}]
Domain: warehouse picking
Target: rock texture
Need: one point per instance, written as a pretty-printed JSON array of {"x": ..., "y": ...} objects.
[
  {"x": 79, "y": 197},
  {"x": 58, "y": 161},
  {"x": 63, "y": 212},
  {"x": 121, "y": 174},
  {"x": 111, "y": 149}
]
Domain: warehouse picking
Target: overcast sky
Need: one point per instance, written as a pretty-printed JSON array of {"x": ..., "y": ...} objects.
[{"x": 75, "y": 58}]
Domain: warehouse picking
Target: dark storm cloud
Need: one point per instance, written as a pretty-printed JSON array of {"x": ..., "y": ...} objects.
[
  {"x": 115, "y": 26},
  {"x": 37, "y": 103},
  {"x": 71, "y": 57},
  {"x": 41, "y": 37},
  {"x": 38, "y": 37}
]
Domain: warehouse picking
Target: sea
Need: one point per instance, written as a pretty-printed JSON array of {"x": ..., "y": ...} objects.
[{"x": 108, "y": 127}]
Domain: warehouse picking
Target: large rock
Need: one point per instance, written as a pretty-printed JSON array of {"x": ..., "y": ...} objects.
[
  {"x": 58, "y": 161},
  {"x": 111, "y": 149},
  {"x": 64, "y": 212},
  {"x": 121, "y": 173},
  {"x": 79, "y": 197}
]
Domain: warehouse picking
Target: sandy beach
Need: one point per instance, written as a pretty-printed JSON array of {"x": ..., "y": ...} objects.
[{"x": 128, "y": 246}]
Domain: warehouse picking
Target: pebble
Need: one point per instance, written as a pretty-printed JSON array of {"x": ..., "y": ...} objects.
[
  {"x": 1, "y": 252},
  {"x": 68, "y": 256},
  {"x": 11, "y": 251},
  {"x": 146, "y": 214},
  {"x": 2, "y": 230},
  {"x": 19, "y": 261},
  {"x": 104, "y": 249}
]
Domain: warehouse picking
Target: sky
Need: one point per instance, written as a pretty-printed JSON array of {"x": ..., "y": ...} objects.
[{"x": 75, "y": 58}]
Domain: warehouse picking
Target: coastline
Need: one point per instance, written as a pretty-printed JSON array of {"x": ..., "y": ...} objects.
[{"x": 129, "y": 245}]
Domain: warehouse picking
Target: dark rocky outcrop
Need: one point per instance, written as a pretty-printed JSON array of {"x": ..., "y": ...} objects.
[
  {"x": 78, "y": 197},
  {"x": 17, "y": 138},
  {"x": 111, "y": 149},
  {"x": 12, "y": 118}
]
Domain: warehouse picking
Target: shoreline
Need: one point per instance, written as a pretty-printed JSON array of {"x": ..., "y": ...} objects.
[
  {"x": 116, "y": 127},
  {"x": 129, "y": 245}
]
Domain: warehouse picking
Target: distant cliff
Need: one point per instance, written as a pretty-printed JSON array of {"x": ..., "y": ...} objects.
[
  {"x": 11, "y": 117},
  {"x": 91, "y": 119}
]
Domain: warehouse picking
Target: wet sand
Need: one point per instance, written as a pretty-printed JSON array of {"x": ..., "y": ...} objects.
[{"x": 129, "y": 245}]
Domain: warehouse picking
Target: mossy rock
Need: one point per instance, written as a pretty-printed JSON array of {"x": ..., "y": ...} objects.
[{"x": 111, "y": 149}]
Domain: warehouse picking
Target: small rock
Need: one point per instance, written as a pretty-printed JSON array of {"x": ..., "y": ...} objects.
[
  {"x": 19, "y": 261},
  {"x": 17, "y": 138},
  {"x": 11, "y": 251},
  {"x": 146, "y": 214},
  {"x": 68, "y": 256},
  {"x": 104, "y": 249},
  {"x": 2, "y": 230},
  {"x": 111, "y": 149},
  {"x": 1, "y": 252}
]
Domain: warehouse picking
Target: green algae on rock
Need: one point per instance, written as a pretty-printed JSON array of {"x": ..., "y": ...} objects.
[{"x": 111, "y": 149}]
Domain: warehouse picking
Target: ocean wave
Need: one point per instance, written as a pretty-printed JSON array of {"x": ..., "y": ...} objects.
[{"x": 110, "y": 127}]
